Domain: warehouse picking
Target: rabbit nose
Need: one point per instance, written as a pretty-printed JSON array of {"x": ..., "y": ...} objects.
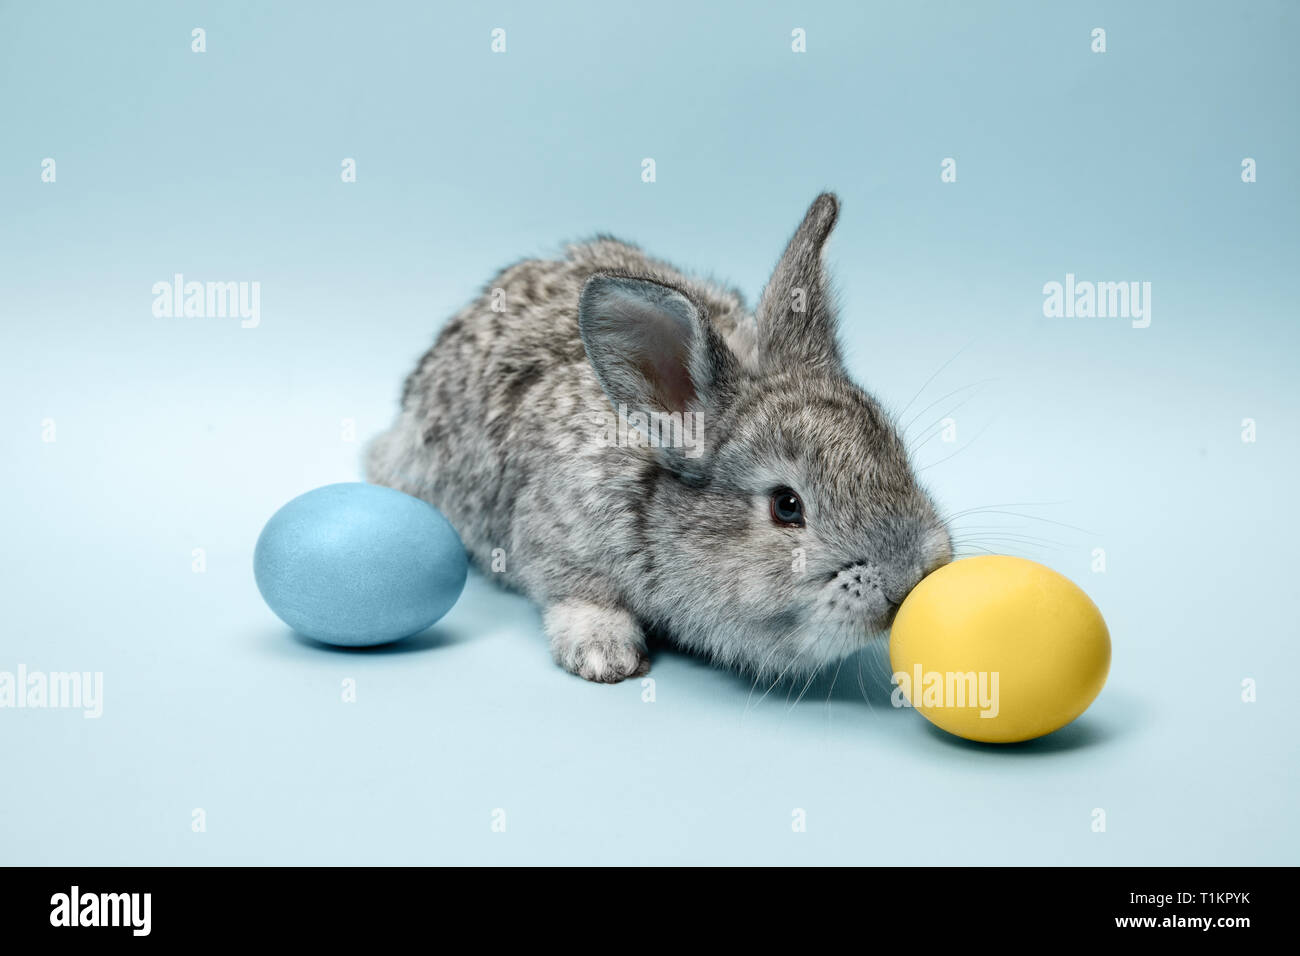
[
  {"x": 899, "y": 585},
  {"x": 895, "y": 595}
]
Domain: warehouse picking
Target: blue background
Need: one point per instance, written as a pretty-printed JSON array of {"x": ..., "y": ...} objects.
[{"x": 175, "y": 434}]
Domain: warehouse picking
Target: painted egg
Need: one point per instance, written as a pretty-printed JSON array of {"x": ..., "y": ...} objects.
[
  {"x": 357, "y": 564},
  {"x": 999, "y": 649}
]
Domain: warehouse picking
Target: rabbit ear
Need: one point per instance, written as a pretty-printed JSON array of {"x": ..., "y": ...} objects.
[
  {"x": 796, "y": 317},
  {"x": 651, "y": 348}
]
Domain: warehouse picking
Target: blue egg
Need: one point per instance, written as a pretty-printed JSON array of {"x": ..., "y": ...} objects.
[{"x": 357, "y": 564}]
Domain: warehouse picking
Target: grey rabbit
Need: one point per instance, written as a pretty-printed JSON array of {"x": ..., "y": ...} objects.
[{"x": 782, "y": 539}]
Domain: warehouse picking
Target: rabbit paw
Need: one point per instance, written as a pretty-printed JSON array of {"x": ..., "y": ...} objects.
[{"x": 598, "y": 643}]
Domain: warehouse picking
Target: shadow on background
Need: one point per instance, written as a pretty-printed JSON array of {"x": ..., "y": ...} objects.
[
  {"x": 862, "y": 678},
  {"x": 1076, "y": 735},
  {"x": 1119, "y": 718},
  {"x": 428, "y": 640}
]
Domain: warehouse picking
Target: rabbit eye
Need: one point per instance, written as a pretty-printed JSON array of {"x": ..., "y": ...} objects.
[{"x": 787, "y": 509}]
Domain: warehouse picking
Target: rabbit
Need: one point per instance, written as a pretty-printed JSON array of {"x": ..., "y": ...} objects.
[{"x": 782, "y": 540}]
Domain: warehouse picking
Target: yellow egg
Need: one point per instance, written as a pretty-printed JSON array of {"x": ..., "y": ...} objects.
[{"x": 999, "y": 649}]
